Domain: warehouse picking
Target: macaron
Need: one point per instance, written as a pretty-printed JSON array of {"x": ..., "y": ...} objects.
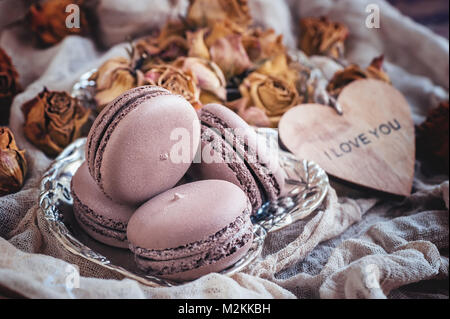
[
  {"x": 232, "y": 151},
  {"x": 100, "y": 217},
  {"x": 191, "y": 230},
  {"x": 131, "y": 146}
]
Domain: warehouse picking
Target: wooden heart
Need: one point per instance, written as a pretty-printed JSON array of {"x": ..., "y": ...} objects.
[{"x": 372, "y": 144}]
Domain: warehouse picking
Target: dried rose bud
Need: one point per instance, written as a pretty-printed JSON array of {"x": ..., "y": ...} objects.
[
  {"x": 273, "y": 95},
  {"x": 432, "y": 138},
  {"x": 203, "y": 13},
  {"x": 53, "y": 120},
  {"x": 209, "y": 77},
  {"x": 47, "y": 21},
  {"x": 175, "y": 80},
  {"x": 9, "y": 86},
  {"x": 13, "y": 165},
  {"x": 113, "y": 78},
  {"x": 320, "y": 36},
  {"x": 230, "y": 55},
  {"x": 353, "y": 72},
  {"x": 261, "y": 45}
]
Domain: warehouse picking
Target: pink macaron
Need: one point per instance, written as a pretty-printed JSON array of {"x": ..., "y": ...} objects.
[
  {"x": 131, "y": 145},
  {"x": 237, "y": 155},
  {"x": 191, "y": 230},
  {"x": 100, "y": 217}
]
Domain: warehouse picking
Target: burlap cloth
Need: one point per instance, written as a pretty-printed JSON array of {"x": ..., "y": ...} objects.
[{"x": 356, "y": 246}]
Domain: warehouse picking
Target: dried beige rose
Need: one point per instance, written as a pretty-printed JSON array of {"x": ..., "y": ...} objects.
[
  {"x": 203, "y": 13},
  {"x": 279, "y": 66},
  {"x": 175, "y": 80},
  {"x": 47, "y": 21},
  {"x": 273, "y": 95},
  {"x": 53, "y": 120},
  {"x": 9, "y": 86},
  {"x": 13, "y": 165},
  {"x": 113, "y": 78},
  {"x": 209, "y": 77},
  {"x": 353, "y": 72},
  {"x": 320, "y": 36}
]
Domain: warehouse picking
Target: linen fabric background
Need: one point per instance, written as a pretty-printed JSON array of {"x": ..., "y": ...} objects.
[{"x": 357, "y": 245}]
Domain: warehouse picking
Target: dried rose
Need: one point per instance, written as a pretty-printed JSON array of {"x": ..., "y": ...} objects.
[
  {"x": 197, "y": 45},
  {"x": 175, "y": 80},
  {"x": 320, "y": 36},
  {"x": 261, "y": 45},
  {"x": 168, "y": 45},
  {"x": 203, "y": 13},
  {"x": 209, "y": 77},
  {"x": 113, "y": 78},
  {"x": 13, "y": 165},
  {"x": 47, "y": 21},
  {"x": 279, "y": 66},
  {"x": 9, "y": 86},
  {"x": 53, "y": 120},
  {"x": 222, "y": 29},
  {"x": 273, "y": 95},
  {"x": 433, "y": 138},
  {"x": 230, "y": 55},
  {"x": 353, "y": 72}
]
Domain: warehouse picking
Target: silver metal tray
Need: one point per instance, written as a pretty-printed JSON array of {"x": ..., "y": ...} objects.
[
  {"x": 308, "y": 182},
  {"x": 309, "y": 187}
]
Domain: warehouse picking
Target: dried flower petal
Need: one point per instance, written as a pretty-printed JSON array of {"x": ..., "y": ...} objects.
[
  {"x": 208, "y": 75},
  {"x": 197, "y": 45},
  {"x": 47, "y": 21},
  {"x": 271, "y": 94},
  {"x": 320, "y": 36},
  {"x": 230, "y": 55},
  {"x": 252, "y": 115},
  {"x": 204, "y": 13},
  {"x": 53, "y": 120},
  {"x": 9, "y": 86},
  {"x": 175, "y": 80},
  {"x": 222, "y": 29},
  {"x": 353, "y": 72},
  {"x": 261, "y": 45},
  {"x": 279, "y": 67},
  {"x": 13, "y": 165},
  {"x": 433, "y": 138},
  {"x": 113, "y": 78}
]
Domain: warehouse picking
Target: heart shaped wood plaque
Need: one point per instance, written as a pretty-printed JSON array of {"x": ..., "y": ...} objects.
[{"x": 372, "y": 144}]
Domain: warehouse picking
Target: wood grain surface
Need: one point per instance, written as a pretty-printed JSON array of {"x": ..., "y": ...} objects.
[{"x": 371, "y": 145}]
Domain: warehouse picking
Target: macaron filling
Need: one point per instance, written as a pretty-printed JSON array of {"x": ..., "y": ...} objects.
[
  {"x": 99, "y": 224},
  {"x": 257, "y": 168},
  {"x": 222, "y": 244},
  {"x": 238, "y": 167}
]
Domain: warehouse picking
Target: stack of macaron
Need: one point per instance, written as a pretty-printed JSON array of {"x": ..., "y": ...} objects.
[{"x": 130, "y": 191}]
